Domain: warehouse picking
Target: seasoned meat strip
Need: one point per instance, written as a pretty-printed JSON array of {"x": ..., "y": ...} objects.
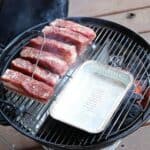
[
  {"x": 40, "y": 74},
  {"x": 46, "y": 59},
  {"x": 66, "y": 51},
  {"x": 26, "y": 85},
  {"x": 88, "y": 32},
  {"x": 37, "y": 89},
  {"x": 68, "y": 36}
]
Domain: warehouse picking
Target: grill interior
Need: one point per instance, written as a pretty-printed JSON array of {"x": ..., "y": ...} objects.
[{"x": 110, "y": 47}]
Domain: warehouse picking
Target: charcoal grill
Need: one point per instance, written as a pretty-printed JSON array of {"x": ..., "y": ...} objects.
[{"x": 114, "y": 45}]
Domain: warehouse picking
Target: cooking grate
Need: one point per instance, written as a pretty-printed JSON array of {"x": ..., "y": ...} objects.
[{"x": 112, "y": 46}]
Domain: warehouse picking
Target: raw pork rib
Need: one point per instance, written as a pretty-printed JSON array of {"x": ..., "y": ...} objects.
[
  {"x": 88, "y": 32},
  {"x": 64, "y": 41},
  {"x": 40, "y": 74},
  {"x": 66, "y": 51},
  {"x": 26, "y": 85},
  {"x": 46, "y": 59},
  {"x": 68, "y": 36}
]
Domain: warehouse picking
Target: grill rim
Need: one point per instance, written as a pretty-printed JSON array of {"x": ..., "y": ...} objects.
[{"x": 102, "y": 22}]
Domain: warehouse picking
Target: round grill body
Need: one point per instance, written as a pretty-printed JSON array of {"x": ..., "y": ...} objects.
[{"x": 125, "y": 49}]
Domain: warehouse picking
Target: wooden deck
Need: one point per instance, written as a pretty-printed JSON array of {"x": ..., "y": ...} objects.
[
  {"x": 114, "y": 10},
  {"x": 118, "y": 11}
]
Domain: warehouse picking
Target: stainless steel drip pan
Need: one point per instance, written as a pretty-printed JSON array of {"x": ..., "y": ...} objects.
[{"x": 90, "y": 98}]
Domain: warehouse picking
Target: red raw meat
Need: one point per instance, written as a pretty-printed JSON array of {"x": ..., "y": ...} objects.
[
  {"x": 37, "y": 89},
  {"x": 88, "y": 32},
  {"x": 66, "y": 51},
  {"x": 40, "y": 74},
  {"x": 68, "y": 36},
  {"x": 27, "y": 86},
  {"x": 46, "y": 59},
  {"x": 14, "y": 88}
]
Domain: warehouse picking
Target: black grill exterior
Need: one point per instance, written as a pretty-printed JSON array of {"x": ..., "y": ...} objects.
[{"x": 117, "y": 46}]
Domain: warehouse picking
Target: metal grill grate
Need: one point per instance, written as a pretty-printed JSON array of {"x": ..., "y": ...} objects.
[{"x": 110, "y": 47}]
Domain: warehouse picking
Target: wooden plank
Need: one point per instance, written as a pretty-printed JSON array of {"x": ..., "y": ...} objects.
[
  {"x": 146, "y": 36},
  {"x": 138, "y": 21},
  {"x": 103, "y": 7},
  {"x": 9, "y": 137}
]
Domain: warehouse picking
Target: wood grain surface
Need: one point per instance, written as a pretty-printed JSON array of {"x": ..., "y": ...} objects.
[
  {"x": 104, "y": 7},
  {"x": 137, "y": 20}
]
